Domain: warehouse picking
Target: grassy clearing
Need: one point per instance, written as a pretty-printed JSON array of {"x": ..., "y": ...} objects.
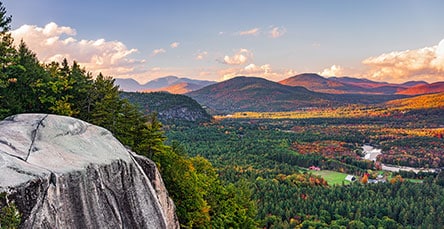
[
  {"x": 332, "y": 177},
  {"x": 414, "y": 180}
]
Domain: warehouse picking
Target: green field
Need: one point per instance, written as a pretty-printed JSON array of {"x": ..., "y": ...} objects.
[{"x": 332, "y": 177}]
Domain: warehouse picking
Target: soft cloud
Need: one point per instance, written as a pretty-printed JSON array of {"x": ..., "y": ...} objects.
[
  {"x": 241, "y": 57},
  {"x": 334, "y": 70},
  {"x": 53, "y": 43},
  {"x": 276, "y": 32},
  {"x": 254, "y": 31},
  {"x": 264, "y": 71},
  {"x": 157, "y": 52},
  {"x": 201, "y": 55},
  {"x": 400, "y": 66},
  {"x": 174, "y": 44}
]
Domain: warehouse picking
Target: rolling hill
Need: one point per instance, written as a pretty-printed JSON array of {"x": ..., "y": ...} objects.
[
  {"x": 423, "y": 89},
  {"x": 429, "y": 101},
  {"x": 341, "y": 85},
  {"x": 315, "y": 82},
  {"x": 258, "y": 94},
  {"x": 255, "y": 94}
]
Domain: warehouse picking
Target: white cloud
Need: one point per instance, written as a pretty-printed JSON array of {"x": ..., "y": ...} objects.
[
  {"x": 174, "y": 44},
  {"x": 264, "y": 71},
  {"x": 157, "y": 52},
  {"x": 334, "y": 70},
  {"x": 254, "y": 31},
  {"x": 241, "y": 57},
  {"x": 201, "y": 55},
  {"x": 399, "y": 66},
  {"x": 54, "y": 42},
  {"x": 276, "y": 32}
]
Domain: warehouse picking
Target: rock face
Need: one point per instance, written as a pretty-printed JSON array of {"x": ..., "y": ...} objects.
[{"x": 65, "y": 173}]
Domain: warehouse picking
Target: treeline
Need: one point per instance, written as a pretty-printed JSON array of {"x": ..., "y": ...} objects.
[
  {"x": 382, "y": 205},
  {"x": 28, "y": 86}
]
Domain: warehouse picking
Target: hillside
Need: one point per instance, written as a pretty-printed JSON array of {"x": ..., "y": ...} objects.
[
  {"x": 171, "y": 108},
  {"x": 256, "y": 94},
  {"x": 315, "y": 82},
  {"x": 423, "y": 89},
  {"x": 171, "y": 84},
  {"x": 419, "y": 102}
]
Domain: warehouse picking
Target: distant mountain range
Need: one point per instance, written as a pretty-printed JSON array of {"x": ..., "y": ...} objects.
[
  {"x": 258, "y": 94},
  {"x": 172, "y": 84},
  {"x": 311, "y": 81},
  {"x": 297, "y": 92},
  {"x": 349, "y": 85}
]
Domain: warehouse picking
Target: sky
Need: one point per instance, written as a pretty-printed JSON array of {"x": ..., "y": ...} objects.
[{"x": 384, "y": 40}]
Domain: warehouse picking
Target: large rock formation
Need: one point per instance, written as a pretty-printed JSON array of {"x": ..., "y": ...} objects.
[{"x": 65, "y": 173}]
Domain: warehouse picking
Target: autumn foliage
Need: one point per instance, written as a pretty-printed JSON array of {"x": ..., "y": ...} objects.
[{"x": 364, "y": 179}]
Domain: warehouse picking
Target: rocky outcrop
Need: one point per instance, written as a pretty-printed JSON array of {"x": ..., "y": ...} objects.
[{"x": 65, "y": 173}]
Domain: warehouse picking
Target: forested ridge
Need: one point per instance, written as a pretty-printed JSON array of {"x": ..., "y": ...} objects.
[
  {"x": 171, "y": 108},
  {"x": 28, "y": 86}
]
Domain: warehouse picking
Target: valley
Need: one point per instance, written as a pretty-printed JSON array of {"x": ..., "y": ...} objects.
[
  {"x": 272, "y": 153},
  {"x": 273, "y": 156},
  {"x": 296, "y": 154}
]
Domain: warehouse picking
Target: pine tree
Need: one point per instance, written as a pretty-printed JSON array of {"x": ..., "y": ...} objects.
[{"x": 7, "y": 54}]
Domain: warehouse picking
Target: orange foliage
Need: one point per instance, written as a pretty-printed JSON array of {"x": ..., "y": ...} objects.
[
  {"x": 364, "y": 179},
  {"x": 396, "y": 179}
]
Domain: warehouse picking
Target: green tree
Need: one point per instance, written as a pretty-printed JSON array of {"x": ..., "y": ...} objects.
[
  {"x": 185, "y": 188},
  {"x": 7, "y": 56},
  {"x": 10, "y": 217},
  {"x": 53, "y": 91},
  {"x": 439, "y": 180}
]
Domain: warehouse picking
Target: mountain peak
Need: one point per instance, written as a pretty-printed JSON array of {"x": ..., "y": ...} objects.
[
  {"x": 163, "y": 84},
  {"x": 315, "y": 82}
]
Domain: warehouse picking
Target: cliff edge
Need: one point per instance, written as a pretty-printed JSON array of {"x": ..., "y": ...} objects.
[{"x": 62, "y": 172}]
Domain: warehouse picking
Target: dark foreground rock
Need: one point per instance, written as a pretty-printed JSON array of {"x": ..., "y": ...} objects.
[{"x": 65, "y": 173}]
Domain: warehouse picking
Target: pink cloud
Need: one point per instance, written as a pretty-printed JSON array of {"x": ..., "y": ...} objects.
[
  {"x": 399, "y": 66},
  {"x": 54, "y": 42}
]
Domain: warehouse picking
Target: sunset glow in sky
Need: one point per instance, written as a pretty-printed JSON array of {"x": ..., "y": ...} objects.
[{"x": 394, "y": 41}]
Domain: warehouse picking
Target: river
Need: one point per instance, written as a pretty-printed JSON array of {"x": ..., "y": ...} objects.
[{"x": 372, "y": 153}]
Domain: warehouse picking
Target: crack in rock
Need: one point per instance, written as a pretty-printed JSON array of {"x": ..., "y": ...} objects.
[
  {"x": 12, "y": 155},
  {"x": 34, "y": 136}
]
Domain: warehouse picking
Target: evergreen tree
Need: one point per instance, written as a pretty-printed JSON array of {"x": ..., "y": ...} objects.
[{"x": 7, "y": 56}]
